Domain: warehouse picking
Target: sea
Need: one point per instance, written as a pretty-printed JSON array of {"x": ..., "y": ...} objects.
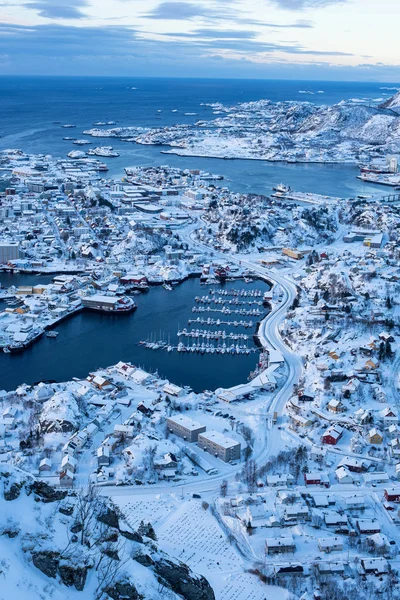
[{"x": 32, "y": 110}]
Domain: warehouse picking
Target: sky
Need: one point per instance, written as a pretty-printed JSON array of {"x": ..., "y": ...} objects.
[{"x": 282, "y": 39}]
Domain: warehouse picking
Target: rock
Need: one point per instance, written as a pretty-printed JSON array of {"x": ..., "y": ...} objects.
[
  {"x": 112, "y": 536},
  {"x": 10, "y": 532},
  {"x": 66, "y": 508},
  {"x": 47, "y": 562},
  {"x": 109, "y": 517},
  {"x": 73, "y": 575},
  {"x": 76, "y": 528},
  {"x": 143, "y": 559},
  {"x": 111, "y": 553},
  {"x": 179, "y": 578},
  {"x": 133, "y": 536},
  {"x": 46, "y": 492},
  {"x": 11, "y": 491},
  {"x": 123, "y": 590}
]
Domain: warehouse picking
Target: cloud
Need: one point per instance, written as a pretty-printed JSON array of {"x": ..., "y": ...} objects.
[
  {"x": 55, "y": 9},
  {"x": 304, "y": 4},
  {"x": 183, "y": 11}
]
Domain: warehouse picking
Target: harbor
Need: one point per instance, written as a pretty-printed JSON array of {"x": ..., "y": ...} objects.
[{"x": 91, "y": 339}]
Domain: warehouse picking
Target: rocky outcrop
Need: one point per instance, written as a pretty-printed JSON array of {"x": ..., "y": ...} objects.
[
  {"x": 52, "y": 564},
  {"x": 73, "y": 575},
  {"x": 47, "y": 562},
  {"x": 133, "y": 536},
  {"x": 179, "y": 578},
  {"x": 123, "y": 590},
  {"x": 143, "y": 559},
  {"x": 109, "y": 517},
  {"x": 46, "y": 492},
  {"x": 12, "y": 490}
]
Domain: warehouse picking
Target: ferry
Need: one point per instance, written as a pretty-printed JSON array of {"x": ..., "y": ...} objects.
[
  {"x": 281, "y": 188},
  {"x": 109, "y": 304}
]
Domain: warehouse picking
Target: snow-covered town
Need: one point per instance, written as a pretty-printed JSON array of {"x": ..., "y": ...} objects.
[{"x": 125, "y": 483}]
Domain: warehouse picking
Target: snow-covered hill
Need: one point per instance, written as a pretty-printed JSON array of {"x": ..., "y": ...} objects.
[{"x": 55, "y": 543}]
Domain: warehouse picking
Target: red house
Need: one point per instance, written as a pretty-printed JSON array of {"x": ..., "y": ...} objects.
[
  {"x": 332, "y": 435},
  {"x": 392, "y": 494}
]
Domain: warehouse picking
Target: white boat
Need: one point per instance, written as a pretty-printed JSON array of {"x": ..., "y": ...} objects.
[
  {"x": 7, "y": 350},
  {"x": 51, "y": 334},
  {"x": 167, "y": 286},
  {"x": 282, "y": 188}
]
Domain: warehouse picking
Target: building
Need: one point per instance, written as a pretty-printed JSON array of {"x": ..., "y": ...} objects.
[
  {"x": 66, "y": 479},
  {"x": 375, "y": 436},
  {"x": 368, "y": 526},
  {"x": 330, "y": 544},
  {"x": 377, "y": 566},
  {"x": 279, "y": 545},
  {"x": 392, "y": 494},
  {"x": 332, "y": 435},
  {"x": 225, "y": 448},
  {"x": 185, "y": 427},
  {"x": 103, "y": 456},
  {"x": 8, "y": 251}
]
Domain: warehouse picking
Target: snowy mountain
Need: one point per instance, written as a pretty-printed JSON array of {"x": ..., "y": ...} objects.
[{"x": 393, "y": 102}]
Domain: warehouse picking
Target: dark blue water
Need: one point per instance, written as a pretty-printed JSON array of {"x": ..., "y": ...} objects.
[
  {"x": 92, "y": 340},
  {"x": 29, "y": 107}
]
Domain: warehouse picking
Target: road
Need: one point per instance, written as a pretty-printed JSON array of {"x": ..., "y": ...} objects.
[{"x": 270, "y": 337}]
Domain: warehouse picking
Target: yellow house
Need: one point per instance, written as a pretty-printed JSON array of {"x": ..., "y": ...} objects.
[{"x": 375, "y": 436}]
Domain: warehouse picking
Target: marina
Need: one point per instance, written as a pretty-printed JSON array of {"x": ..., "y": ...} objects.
[{"x": 91, "y": 339}]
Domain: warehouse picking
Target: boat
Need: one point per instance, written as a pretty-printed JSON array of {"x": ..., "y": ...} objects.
[
  {"x": 7, "y": 350},
  {"x": 167, "y": 286},
  {"x": 51, "y": 334},
  {"x": 281, "y": 188}
]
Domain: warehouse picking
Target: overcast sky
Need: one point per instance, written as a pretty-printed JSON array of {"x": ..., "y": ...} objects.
[{"x": 298, "y": 39}]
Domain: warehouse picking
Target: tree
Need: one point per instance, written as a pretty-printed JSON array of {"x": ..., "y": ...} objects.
[
  {"x": 224, "y": 488},
  {"x": 249, "y": 474}
]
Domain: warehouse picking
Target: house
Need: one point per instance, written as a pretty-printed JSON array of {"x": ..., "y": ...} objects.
[
  {"x": 279, "y": 545},
  {"x": 173, "y": 390},
  {"x": 69, "y": 463},
  {"x": 281, "y": 479},
  {"x": 343, "y": 475},
  {"x": 253, "y": 516},
  {"x": 355, "y": 465},
  {"x": 368, "y": 526},
  {"x": 376, "y": 477},
  {"x": 388, "y": 416},
  {"x": 376, "y": 566},
  {"x": 100, "y": 383},
  {"x": 394, "y": 446},
  {"x": 375, "y": 436},
  {"x": 355, "y": 502},
  {"x": 330, "y": 544},
  {"x": 66, "y": 479},
  {"x": 296, "y": 513},
  {"x": 168, "y": 461},
  {"x": 103, "y": 456},
  {"x": 334, "y": 519},
  {"x": 351, "y": 386},
  {"x": 397, "y": 467},
  {"x": 332, "y": 435},
  {"x": 392, "y": 494},
  {"x": 146, "y": 407},
  {"x": 330, "y": 568},
  {"x": 316, "y": 478},
  {"x": 335, "y": 406},
  {"x": 45, "y": 465},
  {"x": 123, "y": 431}
]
